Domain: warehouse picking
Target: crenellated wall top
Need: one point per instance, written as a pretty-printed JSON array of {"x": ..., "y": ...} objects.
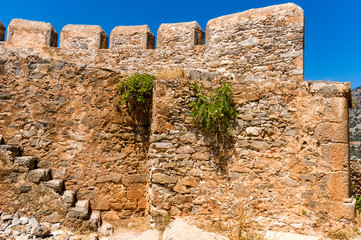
[{"x": 257, "y": 44}]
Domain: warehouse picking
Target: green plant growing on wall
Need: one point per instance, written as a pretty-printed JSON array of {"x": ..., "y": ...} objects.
[
  {"x": 136, "y": 89},
  {"x": 215, "y": 112}
]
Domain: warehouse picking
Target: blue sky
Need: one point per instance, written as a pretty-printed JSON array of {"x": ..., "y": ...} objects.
[{"x": 332, "y": 37}]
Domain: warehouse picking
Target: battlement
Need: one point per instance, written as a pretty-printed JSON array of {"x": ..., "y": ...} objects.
[
  {"x": 258, "y": 44},
  {"x": 289, "y": 150}
]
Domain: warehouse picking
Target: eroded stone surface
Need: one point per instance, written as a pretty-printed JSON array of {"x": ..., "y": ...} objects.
[
  {"x": 131, "y": 37},
  {"x": 31, "y": 34},
  {"x": 83, "y": 37},
  {"x": 179, "y": 34}
]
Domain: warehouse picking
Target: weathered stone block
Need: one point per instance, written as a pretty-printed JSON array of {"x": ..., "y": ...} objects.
[
  {"x": 101, "y": 203},
  {"x": 339, "y": 186},
  {"x": 31, "y": 34},
  {"x": 2, "y": 31},
  {"x": 27, "y": 162},
  {"x": 336, "y": 156},
  {"x": 95, "y": 220},
  {"x": 331, "y": 90},
  {"x": 341, "y": 210},
  {"x": 38, "y": 175},
  {"x": 80, "y": 211},
  {"x": 336, "y": 109},
  {"x": 69, "y": 198},
  {"x": 334, "y": 132},
  {"x": 290, "y": 12},
  {"x": 134, "y": 178},
  {"x": 110, "y": 177},
  {"x": 163, "y": 178},
  {"x": 15, "y": 150},
  {"x": 56, "y": 185},
  {"x": 88, "y": 37},
  {"x": 177, "y": 35},
  {"x": 131, "y": 37}
]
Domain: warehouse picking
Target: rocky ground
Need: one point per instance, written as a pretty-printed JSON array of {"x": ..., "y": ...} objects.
[{"x": 16, "y": 227}]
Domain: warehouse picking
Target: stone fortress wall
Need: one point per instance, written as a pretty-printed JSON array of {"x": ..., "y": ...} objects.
[{"x": 288, "y": 163}]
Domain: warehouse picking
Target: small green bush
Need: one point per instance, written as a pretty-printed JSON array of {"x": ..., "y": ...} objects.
[
  {"x": 215, "y": 112},
  {"x": 136, "y": 89}
]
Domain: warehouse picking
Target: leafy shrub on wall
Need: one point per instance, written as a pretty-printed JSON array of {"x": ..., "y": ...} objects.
[
  {"x": 214, "y": 113},
  {"x": 136, "y": 89}
]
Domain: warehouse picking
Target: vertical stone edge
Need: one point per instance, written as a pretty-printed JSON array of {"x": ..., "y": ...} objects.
[{"x": 2, "y": 31}]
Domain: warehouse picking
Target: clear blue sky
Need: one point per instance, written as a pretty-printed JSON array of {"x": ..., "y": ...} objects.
[{"x": 332, "y": 37}]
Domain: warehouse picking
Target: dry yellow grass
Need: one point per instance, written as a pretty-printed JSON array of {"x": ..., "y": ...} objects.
[{"x": 167, "y": 74}]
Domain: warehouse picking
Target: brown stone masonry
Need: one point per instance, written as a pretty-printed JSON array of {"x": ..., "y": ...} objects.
[
  {"x": 287, "y": 163},
  {"x": 258, "y": 44}
]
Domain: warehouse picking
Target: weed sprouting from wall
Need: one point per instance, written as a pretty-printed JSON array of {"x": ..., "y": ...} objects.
[
  {"x": 214, "y": 113},
  {"x": 136, "y": 89}
]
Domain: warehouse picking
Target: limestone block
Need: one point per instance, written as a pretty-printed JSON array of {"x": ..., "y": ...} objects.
[
  {"x": 31, "y": 34},
  {"x": 285, "y": 14},
  {"x": 69, "y": 198},
  {"x": 26, "y": 162},
  {"x": 56, "y": 185},
  {"x": 331, "y": 89},
  {"x": 175, "y": 35},
  {"x": 15, "y": 150},
  {"x": 132, "y": 37},
  {"x": 83, "y": 37},
  {"x": 2, "y": 31},
  {"x": 341, "y": 210},
  {"x": 334, "y": 132},
  {"x": 38, "y": 175},
  {"x": 80, "y": 211},
  {"x": 336, "y": 156},
  {"x": 339, "y": 186},
  {"x": 336, "y": 109},
  {"x": 95, "y": 220},
  {"x": 163, "y": 178}
]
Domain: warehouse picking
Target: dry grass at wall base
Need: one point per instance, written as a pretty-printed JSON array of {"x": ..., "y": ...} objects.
[
  {"x": 171, "y": 73},
  {"x": 238, "y": 228}
]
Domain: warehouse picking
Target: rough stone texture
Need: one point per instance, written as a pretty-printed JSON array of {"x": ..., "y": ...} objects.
[
  {"x": 80, "y": 211},
  {"x": 38, "y": 175},
  {"x": 2, "y": 31},
  {"x": 288, "y": 152},
  {"x": 131, "y": 37},
  {"x": 24, "y": 163},
  {"x": 31, "y": 34},
  {"x": 69, "y": 198},
  {"x": 83, "y": 37},
  {"x": 99, "y": 150},
  {"x": 276, "y": 164},
  {"x": 232, "y": 49},
  {"x": 176, "y": 35},
  {"x": 355, "y": 169},
  {"x": 56, "y": 185}
]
